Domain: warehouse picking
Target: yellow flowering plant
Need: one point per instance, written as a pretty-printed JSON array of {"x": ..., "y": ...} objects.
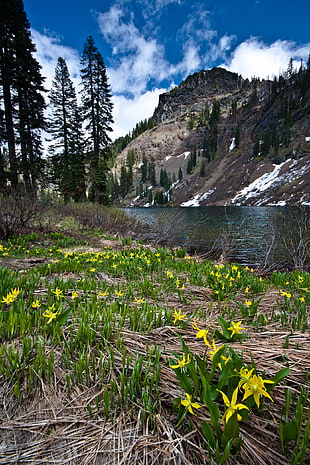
[
  {"x": 231, "y": 330},
  {"x": 221, "y": 383}
]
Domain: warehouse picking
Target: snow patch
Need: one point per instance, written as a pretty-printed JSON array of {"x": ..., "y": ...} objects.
[
  {"x": 195, "y": 201},
  {"x": 281, "y": 203},
  {"x": 232, "y": 144},
  {"x": 307, "y": 139},
  {"x": 168, "y": 157},
  {"x": 268, "y": 180},
  {"x": 184, "y": 154},
  {"x": 259, "y": 185}
]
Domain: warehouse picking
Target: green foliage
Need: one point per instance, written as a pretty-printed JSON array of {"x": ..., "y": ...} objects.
[
  {"x": 73, "y": 314},
  {"x": 220, "y": 371},
  {"x": 23, "y": 104}
]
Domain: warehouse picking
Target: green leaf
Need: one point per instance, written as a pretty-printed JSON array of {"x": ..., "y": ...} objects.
[
  {"x": 231, "y": 430},
  {"x": 184, "y": 380},
  {"x": 208, "y": 434},
  {"x": 288, "y": 432},
  {"x": 211, "y": 405},
  {"x": 226, "y": 451},
  {"x": 280, "y": 375},
  {"x": 217, "y": 357},
  {"x": 62, "y": 318}
]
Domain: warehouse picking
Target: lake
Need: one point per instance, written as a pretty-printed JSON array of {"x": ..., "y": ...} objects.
[{"x": 255, "y": 236}]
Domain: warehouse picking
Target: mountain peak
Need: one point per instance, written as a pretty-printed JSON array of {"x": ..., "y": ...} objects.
[
  {"x": 220, "y": 139},
  {"x": 195, "y": 91}
]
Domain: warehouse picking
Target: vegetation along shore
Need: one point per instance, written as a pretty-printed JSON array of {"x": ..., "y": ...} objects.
[{"x": 113, "y": 351}]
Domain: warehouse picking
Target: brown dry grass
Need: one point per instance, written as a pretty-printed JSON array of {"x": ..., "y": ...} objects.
[{"x": 49, "y": 426}]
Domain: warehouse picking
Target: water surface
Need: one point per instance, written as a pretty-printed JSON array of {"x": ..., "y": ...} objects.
[{"x": 248, "y": 235}]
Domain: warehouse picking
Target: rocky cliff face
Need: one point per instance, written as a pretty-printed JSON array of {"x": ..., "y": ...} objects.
[{"x": 221, "y": 140}]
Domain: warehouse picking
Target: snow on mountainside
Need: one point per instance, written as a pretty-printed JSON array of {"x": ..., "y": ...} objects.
[{"x": 222, "y": 140}]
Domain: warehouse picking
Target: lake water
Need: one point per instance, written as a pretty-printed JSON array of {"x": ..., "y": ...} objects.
[{"x": 248, "y": 235}]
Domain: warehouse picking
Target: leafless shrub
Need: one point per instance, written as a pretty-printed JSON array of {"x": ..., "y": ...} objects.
[
  {"x": 288, "y": 245},
  {"x": 19, "y": 215},
  {"x": 110, "y": 220}
]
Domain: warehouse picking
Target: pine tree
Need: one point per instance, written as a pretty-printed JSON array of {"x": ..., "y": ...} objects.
[
  {"x": 202, "y": 172},
  {"x": 66, "y": 129},
  {"x": 152, "y": 173},
  {"x": 144, "y": 169},
  {"x": 7, "y": 69},
  {"x": 21, "y": 88},
  {"x": 97, "y": 107},
  {"x": 77, "y": 157}
]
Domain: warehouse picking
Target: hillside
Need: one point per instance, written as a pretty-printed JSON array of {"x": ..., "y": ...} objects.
[{"x": 220, "y": 139}]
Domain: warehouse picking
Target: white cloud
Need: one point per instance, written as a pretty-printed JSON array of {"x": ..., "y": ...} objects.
[
  {"x": 128, "y": 112},
  {"x": 137, "y": 60},
  {"x": 191, "y": 60},
  {"x": 49, "y": 49},
  {"x": 255, "y": 58},
  {"x": 201, "y": 42}
]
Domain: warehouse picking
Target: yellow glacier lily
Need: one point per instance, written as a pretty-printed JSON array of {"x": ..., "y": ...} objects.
[
  {"x": 50, "y": 314},
  {"x": 201, "y": 333},
  {"x": 235, "y": 328},
  {"x": 185, "y": 360},
  {"x": 232, "y": 406},
  {"x": 178, "y": 316},
  {"x": 255, "y": 385},
  {"x": 189, "y": 404}
]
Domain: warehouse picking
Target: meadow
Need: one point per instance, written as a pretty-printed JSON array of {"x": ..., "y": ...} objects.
[{"x": 113, "y": 351}]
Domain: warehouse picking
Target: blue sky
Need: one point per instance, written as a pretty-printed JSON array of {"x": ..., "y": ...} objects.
[{"x": 150, "y": 46}]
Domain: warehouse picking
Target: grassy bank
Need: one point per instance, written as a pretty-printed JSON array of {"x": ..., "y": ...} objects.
[{"x": 115, "y": 352}]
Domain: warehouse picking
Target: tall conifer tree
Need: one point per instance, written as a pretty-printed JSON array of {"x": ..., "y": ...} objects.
[
  {"x": 66, "y": 128},
  {"x": 21, "y": 90},
  {"x": 97, "y": 106}
]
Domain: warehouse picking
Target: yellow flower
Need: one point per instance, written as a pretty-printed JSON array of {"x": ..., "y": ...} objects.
[
  {"x": 185, "y": 360},
  {"x": 286, "y": 294},
  {"x": 11, "y": 296},
  {"x": 302, "y": 299},
  {"x": 245, "y": 374},
  {"x": 201, "y": 333},
  {"x": 74, "y": 295},
  {"x": 235, "y": 328},
  {"x": 58, "y": 293},
  {"x": 15, "y": 292},
  {"x": 119, "y": 293},
  {"x": 255, "y": 385},
  {"x": 139, "y": 301},
  {"x": 103, "y": 294},
  {"x": 189, "y": 404},
  {"x": 232, "y": 406},
  {"x": 213, "y": 352},
  {"x": 178, "y": 316},
  {"x": 50, "y": 314},
  {"x": 36, "y": 304},
  {"x": 248, "y": 303},
  {"x": 8, "y": 299}
]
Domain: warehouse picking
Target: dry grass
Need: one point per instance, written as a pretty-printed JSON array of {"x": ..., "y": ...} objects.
[{"x": 50, "y": 427}]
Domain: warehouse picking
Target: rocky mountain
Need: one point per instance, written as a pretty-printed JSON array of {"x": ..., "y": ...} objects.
[{"x": 219, "y": 139}]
